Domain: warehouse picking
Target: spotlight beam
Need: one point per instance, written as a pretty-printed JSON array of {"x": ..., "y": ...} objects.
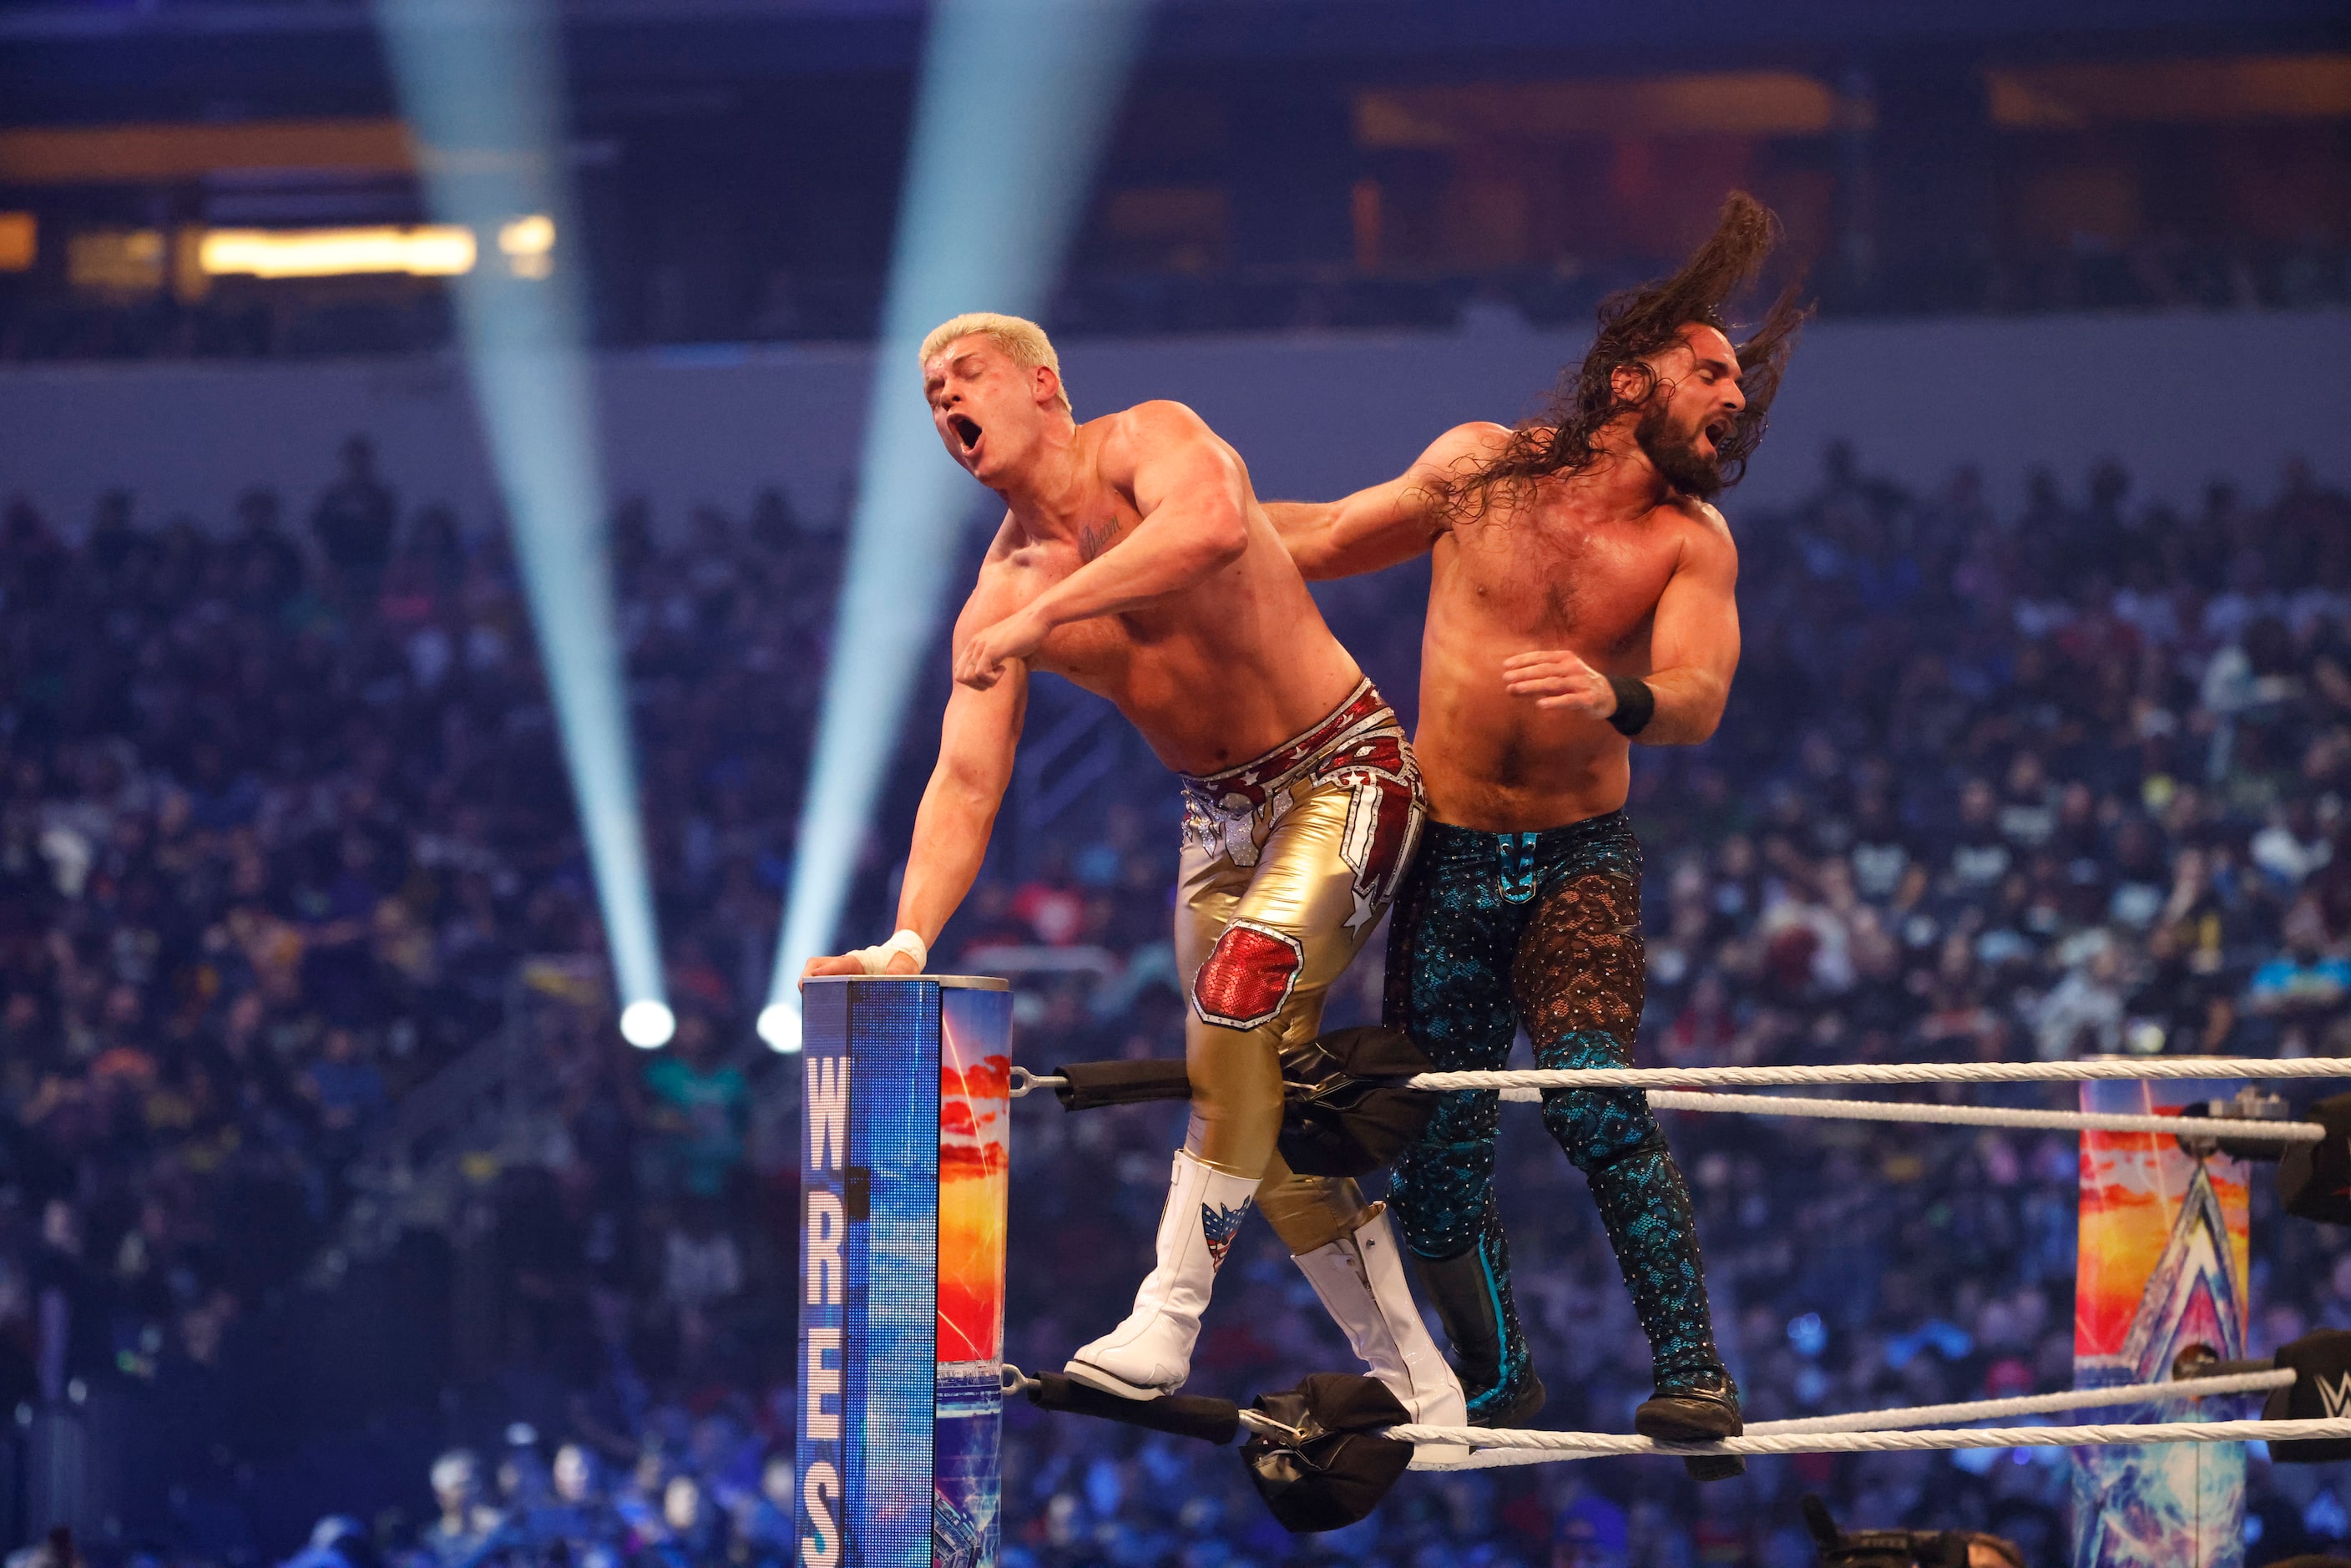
[
  {"x": 479, "y": 85},
  {"x": 1016, "y": 96}
]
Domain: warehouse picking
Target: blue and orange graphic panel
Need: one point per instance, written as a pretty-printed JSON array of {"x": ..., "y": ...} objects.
[{"x": 905, "y": 1183}]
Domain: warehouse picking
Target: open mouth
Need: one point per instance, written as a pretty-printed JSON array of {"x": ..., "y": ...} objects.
[
  {"x": 966, "y": 428},
  {"x": 1717, "y": 431}
]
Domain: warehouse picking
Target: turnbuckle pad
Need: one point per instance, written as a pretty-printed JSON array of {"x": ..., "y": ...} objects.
[
  {"x": 1338, "y": 1465},
  {"x": 1346, "y": 1111},
  {"x": 2313, "y": 1180},
  {"x": 1178, "y": 1414}
]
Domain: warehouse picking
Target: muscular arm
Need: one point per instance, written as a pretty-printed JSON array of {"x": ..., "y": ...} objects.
[
  {"x": 1193, "y": 494},
  {"x": 1387, "y": 523},
  {"x": 978, "y": 738},
  {"x": 1693, "y": 651},
  {"x": 1694, "y": 642},
  {"x": 977, "y": 742}
]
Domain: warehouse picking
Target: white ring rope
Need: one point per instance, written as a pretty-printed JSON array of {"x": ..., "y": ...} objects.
[
  {"x": 1587, "y": 1444},
  {"x": 2030, "y": 1404},
  {"x": 1915, "y": 1416},
  {"x": 2216, "y": 1127},
  {"x": 2230, "y": 1127},
  {"x": 1892, "y": 1072}
]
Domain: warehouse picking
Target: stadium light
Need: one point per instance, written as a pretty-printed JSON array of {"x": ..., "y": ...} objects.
[
  {"x": 478, "y": 84},
  {"x": 1031, "y": 84},
  {"x": 647, "y": 1025},
  {"x": 779, "y": 1026},
  {"x": 428, "y": 250},
  {"x": 529, "y": 245}
]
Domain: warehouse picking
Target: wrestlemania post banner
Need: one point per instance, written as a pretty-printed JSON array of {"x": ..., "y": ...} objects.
[
  {"x": 905, "y": 1183},
  {"x": 2166, "y": 1247}
]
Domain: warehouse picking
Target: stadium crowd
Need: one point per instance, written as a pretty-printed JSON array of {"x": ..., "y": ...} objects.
[{"x": 283, "y": 812}]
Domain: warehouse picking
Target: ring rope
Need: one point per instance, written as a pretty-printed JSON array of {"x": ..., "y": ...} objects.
[
  {"x": 1973, "y": 1116},
  {"x": 1493, "y": 1460},
  {"x": 2030, "y": 1404},
  {"x": 1969, "y": 1410},
  {"x": 1589, "y": 1445},
  {"x": 2232, "y": 1128},
  {"x": 1890, "y": 1072}
]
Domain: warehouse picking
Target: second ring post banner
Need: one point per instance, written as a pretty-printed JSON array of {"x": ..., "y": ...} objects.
[
  {"x": 905, "y": 1183},
  {"x": 2163, "y": 1266}
]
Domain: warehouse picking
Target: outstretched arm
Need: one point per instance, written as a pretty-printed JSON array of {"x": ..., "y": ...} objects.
[
  {"x": 1387, "y": 523},
  {"x": 1693, "y": 651},
  {"x": 1192, "y": 492},
  {"x": 977, "y": 740}
]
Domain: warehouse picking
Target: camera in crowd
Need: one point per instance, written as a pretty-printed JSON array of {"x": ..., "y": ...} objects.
[{"x": 1905, "y": 1548}]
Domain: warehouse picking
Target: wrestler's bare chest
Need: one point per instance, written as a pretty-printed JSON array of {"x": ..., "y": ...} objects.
[
  {"x": 1101, "y": 651},
  {"x": 1552, "y": 581}
]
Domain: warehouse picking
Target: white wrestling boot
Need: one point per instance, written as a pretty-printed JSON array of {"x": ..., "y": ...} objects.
[
  {"x": 1361, "y": 1280},
  {"x": 1150, "y": 1354}
]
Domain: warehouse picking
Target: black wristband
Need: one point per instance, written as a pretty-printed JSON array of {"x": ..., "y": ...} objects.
[{"x": 1635, "y": 705}]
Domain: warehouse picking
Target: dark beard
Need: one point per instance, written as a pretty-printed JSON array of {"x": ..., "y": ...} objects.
[{"x": 1676, "y": 457}]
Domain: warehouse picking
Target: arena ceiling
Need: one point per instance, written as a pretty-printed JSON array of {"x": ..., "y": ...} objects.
[{"x": 73, "y": 61}]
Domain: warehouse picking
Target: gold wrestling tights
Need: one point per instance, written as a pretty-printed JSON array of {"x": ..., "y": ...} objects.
[{"x": 1289, "y": 861}]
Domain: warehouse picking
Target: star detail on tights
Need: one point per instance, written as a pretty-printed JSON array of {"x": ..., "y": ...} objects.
[{"x": 1366, "y": 911}]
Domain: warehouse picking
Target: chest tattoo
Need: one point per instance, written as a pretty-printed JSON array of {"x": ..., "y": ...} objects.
[{"x": 1095, "y": 538}]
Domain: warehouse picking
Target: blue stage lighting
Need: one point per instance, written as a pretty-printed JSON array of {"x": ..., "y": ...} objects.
[
  {"x": 1016, "y": 96},
  {"x": 479, "y": 87}
]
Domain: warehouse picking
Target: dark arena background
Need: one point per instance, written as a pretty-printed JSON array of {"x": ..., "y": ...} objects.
[{"x": 476, "y": 583}]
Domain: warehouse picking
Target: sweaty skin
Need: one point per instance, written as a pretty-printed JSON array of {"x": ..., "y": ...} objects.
[
  {"x": 1533, "y": 605},
  {"x": 1523, "y": 910},
  {"x": 1135, "y": 560}
]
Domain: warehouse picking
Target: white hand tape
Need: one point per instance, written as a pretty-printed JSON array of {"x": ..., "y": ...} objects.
[{"x": 876, "y": 960}]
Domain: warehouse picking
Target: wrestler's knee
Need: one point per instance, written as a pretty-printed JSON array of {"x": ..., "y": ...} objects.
[
  {"x": 1433, "y": 1223},
  {"x": 1455, "y": 1149},
  {"x": 1464, "y": 1116},
  {"x": 1597, "y": 1128},
  {"x": 1248, "y": 975},
  {"x": 1438, "y": 1194}
]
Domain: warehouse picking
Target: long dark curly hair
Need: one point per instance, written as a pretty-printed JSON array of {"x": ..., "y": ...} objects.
[{"x": 1633, "y": 325}]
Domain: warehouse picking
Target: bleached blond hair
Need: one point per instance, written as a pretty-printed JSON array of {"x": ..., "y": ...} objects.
[{"x": 1024, "y": 342}]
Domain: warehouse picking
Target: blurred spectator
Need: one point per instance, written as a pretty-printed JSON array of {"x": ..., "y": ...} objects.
[
  {"x": 347, "y": 1088},
  {"x": 338, "y": 1541},
  {"x": 699, "y": 1109},
  {"x": 467, "y": 1528},
  {"x": 354, "y": 520}
]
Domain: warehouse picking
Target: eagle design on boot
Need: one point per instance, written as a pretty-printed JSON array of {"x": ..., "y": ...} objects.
[{"x": 1218, "y": 1225}]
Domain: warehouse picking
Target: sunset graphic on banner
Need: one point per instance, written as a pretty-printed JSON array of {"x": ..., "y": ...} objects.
[
  {"x": 974, "y": 1191},
  {"x": 2131, "y": 1200}
]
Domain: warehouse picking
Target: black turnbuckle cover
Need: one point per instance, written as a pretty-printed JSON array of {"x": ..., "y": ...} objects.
[
  {"x": 1346, "y": 1111},
  {"x": 1340, "y": 1466},
  {"x": 2313, "y": 1180},
  {"x": 2321, "y": 1391},
  {"x": 1178, "y": 1414},
  {"x": 1092, "y": 1085}
]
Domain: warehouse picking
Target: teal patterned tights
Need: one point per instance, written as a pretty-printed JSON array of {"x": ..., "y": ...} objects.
[{"x": 1496, "y": 930}]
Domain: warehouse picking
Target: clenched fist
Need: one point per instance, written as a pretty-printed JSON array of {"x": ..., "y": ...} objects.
[
  {"x": 1559, "y": 679},
  {"x": 979, "y": 663}
]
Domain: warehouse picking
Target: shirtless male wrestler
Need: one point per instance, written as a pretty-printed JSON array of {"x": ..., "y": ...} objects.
[
  {"x": 1135, "y": 560},
  {"x": 1580, "y": 598}
]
